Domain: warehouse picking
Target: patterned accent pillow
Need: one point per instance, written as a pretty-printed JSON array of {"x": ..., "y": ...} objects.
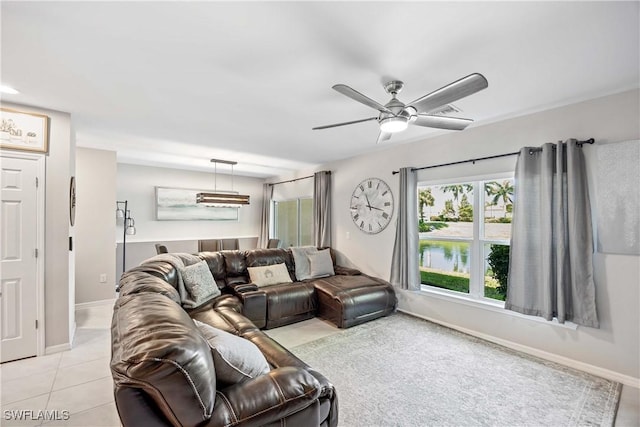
[
  {"x": 199, "y": 284},
  {"x": 235, "y": 359},
  {"x": 320, "y": 264},
  {"x": 269, "y": 275}
]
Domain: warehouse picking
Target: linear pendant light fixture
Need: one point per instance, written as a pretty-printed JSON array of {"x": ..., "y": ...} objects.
[{"x": 219, "y": 198}]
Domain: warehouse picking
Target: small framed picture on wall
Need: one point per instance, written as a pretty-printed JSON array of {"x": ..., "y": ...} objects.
[{"x": 24, "y": 131}]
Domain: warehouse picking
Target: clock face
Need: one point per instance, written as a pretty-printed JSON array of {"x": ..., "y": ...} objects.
[{"x": 372, "y": 205}]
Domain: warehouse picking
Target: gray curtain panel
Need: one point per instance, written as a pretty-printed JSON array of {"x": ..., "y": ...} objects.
[
  {"x": 267, "y": 195},
  {"x": 551, "y": 256},
  {"x": 322, "y": 208},
  {"x": 405, "y": 272}
]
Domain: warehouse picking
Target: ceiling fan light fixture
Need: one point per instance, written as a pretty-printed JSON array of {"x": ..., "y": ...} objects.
[{"x": 394, "y": 124}]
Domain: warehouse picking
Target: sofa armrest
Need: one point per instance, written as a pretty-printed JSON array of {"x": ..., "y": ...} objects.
[
  {"x": 254, "y": 302},
  {"x": 242, "y": 287},
  {"x": 346, "y": 271},
  {"x": 266, "y": 399}
]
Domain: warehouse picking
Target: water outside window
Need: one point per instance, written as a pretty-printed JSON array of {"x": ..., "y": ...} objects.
[{"x": 445, "y": 264}]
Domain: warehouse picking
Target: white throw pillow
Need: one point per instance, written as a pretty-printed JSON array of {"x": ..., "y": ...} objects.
[
  {"x": 269, "y": 275},
  {"x": 321, "y": 264},
  {"x": 302, "y": 261},
  {"x": 235, "y": 359}
]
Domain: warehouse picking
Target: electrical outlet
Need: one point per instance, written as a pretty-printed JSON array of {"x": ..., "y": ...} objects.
[{"x": 103, "y": 278}]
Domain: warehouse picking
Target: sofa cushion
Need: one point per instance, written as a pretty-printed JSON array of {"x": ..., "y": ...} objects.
[
  {"x": 320, "y": 264},
  {"x": 216, "y": 264},
  {"x": 236, "y": 359},
  {"x": 300, "y": 257},
  {"x": 157, "y": 347},
  {"x": 262, "y": 257},
  {"x": 235, "y": 265},
  {"x": 269, "y": 275},
  {"x": 199, "y": 284}
]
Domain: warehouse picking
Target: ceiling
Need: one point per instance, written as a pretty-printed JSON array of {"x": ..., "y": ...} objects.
[{"x": 174, "y": 84}]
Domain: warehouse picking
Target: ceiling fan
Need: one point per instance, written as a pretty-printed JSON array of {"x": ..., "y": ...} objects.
[{"x": 395, "y": 116}]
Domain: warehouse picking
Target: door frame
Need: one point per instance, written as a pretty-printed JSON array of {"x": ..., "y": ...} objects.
[{"x": 40, "y": 160}]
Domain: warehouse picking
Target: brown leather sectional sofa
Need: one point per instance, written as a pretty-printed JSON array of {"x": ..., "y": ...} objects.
[{"x": 163, "y": 369}]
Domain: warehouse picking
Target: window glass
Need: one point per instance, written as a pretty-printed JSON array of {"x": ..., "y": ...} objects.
[
  {"x": 446, "y": 210},
  {"x": 306, "y": 222},
  {"x": 496, "y": 267},
  {"x": 445, "y": 264},
  {"x": 293, "y": 222},
  {"x": 450, "y": 236},
  {"x": 498, "y": 208},
  {"x": 286, "y": 221}
]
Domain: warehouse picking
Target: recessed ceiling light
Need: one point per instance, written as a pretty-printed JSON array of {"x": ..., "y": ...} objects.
[{"x": 8, "y": 89}]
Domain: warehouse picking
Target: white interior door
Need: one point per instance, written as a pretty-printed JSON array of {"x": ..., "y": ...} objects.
[{"x": 18, "y": 263}]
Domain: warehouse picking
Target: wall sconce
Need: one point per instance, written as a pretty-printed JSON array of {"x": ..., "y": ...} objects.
[
  {"x": 222, "y": 199},
  {"x": 129, "y": 229}
]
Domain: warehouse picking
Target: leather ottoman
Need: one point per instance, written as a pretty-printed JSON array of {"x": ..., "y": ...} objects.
[{"x": 347, "y": 301}]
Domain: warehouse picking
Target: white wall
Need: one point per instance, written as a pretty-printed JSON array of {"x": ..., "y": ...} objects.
[
  {"x": 614, "y": 347},
  {"x": 137, "y": 185},
  {"x": 95, "y": 224},
  {"x": 59, "y": 261}
]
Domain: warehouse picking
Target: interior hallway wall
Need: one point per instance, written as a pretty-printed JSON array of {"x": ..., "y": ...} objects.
[{"x": 95, "y": 224}]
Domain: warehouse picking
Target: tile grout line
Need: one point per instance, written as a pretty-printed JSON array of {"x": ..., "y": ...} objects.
[{"x": 52, "y": 384}]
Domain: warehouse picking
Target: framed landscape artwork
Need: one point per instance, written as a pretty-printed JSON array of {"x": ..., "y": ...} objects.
[
  {"x": 24, "y": 131},
  {"x": 179, "y": 204}
]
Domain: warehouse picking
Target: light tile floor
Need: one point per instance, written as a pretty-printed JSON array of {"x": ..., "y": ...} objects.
[{"x": 79, "y": 380}]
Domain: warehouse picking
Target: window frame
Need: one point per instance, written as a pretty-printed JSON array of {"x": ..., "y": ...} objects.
[
  {"x": 273, "y": 226},
  {"x": 476, "y": 243}
]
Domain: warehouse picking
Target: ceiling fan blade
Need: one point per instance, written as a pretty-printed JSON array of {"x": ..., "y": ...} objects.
[
  {"x": 357, "y": 96},
  {"x": 343, "y": 124},
  {"x": 384, "y": 136},
  {"x": 452, "y": 92},
  {"x": 442, "y": 122}
]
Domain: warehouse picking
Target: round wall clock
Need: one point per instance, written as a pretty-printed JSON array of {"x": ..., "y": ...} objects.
[{"x": 372, "y": 205}]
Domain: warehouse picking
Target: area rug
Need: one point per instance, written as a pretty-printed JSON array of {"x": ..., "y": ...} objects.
[{"x": 404, "y": 371}]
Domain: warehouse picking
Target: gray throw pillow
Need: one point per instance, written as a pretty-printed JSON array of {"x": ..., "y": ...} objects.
[
  {"x": 301, "y": 261},
  {"x": 235, "y": 359},
  {"x": 199, "y": 284},
  {"x": 320, "y": 264}
]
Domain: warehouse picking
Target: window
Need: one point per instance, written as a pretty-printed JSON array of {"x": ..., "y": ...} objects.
[
  {"x": 463, "y": 247},
  {"x": 293, "y": 222}
]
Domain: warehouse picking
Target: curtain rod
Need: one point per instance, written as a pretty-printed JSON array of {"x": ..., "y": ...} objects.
[
  {"x": 291, "y": 180},
  {"x": 515, "y": 153}
]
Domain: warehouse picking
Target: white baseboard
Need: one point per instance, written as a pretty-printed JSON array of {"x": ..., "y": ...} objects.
[
  {"x": 57, "y": 348},
  {"x": 562, "y": 360},
  {"x": 100, "y": 303}
]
